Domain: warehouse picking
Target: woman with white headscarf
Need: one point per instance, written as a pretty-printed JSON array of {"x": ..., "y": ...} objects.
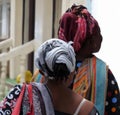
[{"x": 56, "y": 61}]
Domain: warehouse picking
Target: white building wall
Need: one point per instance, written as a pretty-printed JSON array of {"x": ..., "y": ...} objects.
[
  {"x": 43, "y": 19},
  {"x": 108, "y": 16}
]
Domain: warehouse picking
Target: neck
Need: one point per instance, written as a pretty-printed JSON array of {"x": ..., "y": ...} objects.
[
  {"x": 81, "y": 56},
  {"x": 55, "y": 85},
  {"x": 58, "y": 91},
  {"x": 64, "y": 99}
]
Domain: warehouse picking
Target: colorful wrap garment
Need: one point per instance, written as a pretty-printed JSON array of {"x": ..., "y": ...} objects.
[
  {"x": 92, "y": 82},
  {"x": 88, "y": 72},
  {"x": 41, "y": 103}
]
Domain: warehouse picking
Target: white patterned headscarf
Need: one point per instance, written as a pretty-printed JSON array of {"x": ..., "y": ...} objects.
[{"x": 54, "y": 51}]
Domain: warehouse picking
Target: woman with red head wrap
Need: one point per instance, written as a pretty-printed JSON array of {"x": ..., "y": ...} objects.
[{"x": 93, "y": 80}]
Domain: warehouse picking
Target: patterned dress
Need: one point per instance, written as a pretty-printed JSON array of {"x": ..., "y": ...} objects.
[
  {"x": 112, "y": 106},
  {"x": 7, "y": 105},
  {"x": 42, "y": 104}
]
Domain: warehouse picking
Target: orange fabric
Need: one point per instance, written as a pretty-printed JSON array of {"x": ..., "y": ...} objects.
[
  {"x": 82, "y": 80},
  {"x": 86, "y": 75},
  {"x": 93, "y": 61}
]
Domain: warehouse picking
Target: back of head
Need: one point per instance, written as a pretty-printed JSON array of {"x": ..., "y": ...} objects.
[
  {"x": 77, "y": 25},
  {"x": 56, "y": 59}
]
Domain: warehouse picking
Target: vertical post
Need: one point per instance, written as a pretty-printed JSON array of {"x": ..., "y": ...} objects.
[
  {"x": 12, "y": 35},
  {"x": 3, "y": 78},
  {"x": 16, "y": 13},
  {"x": 22, "y": 68}
]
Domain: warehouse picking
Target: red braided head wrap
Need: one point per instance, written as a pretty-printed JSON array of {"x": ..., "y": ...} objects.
[{"x": 76, "y": 25}]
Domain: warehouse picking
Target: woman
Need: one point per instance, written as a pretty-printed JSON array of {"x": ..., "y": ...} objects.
[
  {"x": 94, "y": 80},
  {"x": 56, "y": 61}
]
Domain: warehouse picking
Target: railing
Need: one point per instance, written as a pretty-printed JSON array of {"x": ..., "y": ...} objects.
[
  {"x": 21, "y": 51},
  {"x": 5, "y": 46},
  {"x": 6, "y": 43}
]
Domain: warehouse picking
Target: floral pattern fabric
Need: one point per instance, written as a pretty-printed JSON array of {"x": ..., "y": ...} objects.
[
  {"x": 42, "y": 103},
  {"x": 7, "y": 105}
]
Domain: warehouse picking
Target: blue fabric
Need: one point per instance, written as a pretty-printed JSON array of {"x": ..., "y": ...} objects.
[
  {"x": 79, "y": 64},
  {"x": 38, "y": 78},
  {"x": 101, "y": 83}
]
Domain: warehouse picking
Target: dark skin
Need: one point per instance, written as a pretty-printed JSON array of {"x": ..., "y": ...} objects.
[
  {"x": 64, "y": 99},
  {"x": 90, "y": 46}
]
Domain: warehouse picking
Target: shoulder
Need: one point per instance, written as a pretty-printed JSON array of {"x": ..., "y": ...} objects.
[
  {"x": 100, "y": 60},
  {"x": 88, "y": 108}
]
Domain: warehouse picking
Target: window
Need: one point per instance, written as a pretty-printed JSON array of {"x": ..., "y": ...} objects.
[{"x": 4, "y": 19}]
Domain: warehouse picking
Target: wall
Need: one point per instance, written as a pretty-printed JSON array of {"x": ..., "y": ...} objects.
[
  {"x": 43, "y": 19},
  {"x": 108, "y": 16}
]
